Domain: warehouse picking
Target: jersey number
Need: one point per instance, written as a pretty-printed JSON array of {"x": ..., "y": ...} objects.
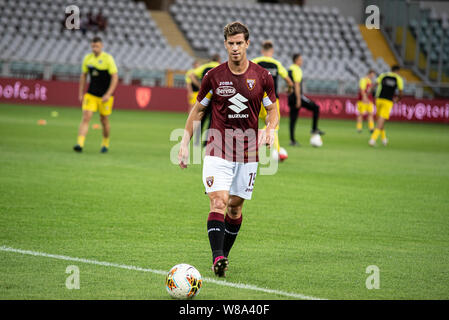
[{"x": 252, "y": 179}]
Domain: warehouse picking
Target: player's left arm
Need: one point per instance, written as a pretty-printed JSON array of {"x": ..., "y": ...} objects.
[
  {"x": 194, "y": 79},
  {"x": 269, "y": 102},
  {"x": 400, "y": 88},
  {"x": 362, "y": 86},
  {"x": 272, "y": 121},
  {"x": 114, "y": 80}
]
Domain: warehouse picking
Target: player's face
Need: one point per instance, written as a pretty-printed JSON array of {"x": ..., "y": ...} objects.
[
  {"x": 268, "y": 53},
  {"x": 96, "y": 47},
  {"x": 299, "y": 61},
  {"x": 236, "y": 47}
]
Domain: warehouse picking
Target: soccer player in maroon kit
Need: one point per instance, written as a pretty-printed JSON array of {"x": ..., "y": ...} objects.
[{"x": 234, "y": 91}]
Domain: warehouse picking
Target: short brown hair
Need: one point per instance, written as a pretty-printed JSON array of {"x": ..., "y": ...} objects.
[
  {"x": 296, "y": 56},
  {"x": 215, "y": 57},
  {"x": 96, "y": 39},
  {"x": 236, "y": 27},
  {"x": 267, "y": 45}
]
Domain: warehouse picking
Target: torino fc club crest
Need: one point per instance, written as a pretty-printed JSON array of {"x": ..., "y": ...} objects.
[
  {"x": 210, "y": 181},
  {"x": 143, "y": 96},
  {"x": 251, "y": 83}
]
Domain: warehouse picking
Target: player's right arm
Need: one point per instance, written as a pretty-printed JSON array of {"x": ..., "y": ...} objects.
[
  {"x": 284, "y": 74},
  {"x": 83, "y": 77},
  {"x": 297, "y": 78},
  {"x": 362, "y": 87},
  {"x": 195, "y": 116},
  {"x": 298, "y": 95}
]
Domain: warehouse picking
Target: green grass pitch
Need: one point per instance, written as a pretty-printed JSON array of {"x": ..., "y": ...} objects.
[{"x": 312, "y": 229}]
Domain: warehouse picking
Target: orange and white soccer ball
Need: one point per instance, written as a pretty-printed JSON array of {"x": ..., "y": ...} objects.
[
  {"x": 183, "y": 281},
  {"x": 283, "y": 155},
  {"x": 279, "y": 156}
]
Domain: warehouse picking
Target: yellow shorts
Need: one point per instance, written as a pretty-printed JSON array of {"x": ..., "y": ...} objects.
[
  {"x": 384, "y": 107},
  {"x": 94, "y": 103},
  {"x": 263, "y": 112},
  {"x": 192, "y": 98},
  {"x": 363, "y": 107}
]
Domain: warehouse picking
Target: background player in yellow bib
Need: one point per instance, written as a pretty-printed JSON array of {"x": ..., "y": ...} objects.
[
  {"x": 103, "y": 76},
  {"x": 387, "y": 83},
  {"x": 191, "y": 86},
  {"x": 196, "y": 76},
  {"x": 275, "y": 68},
  {"x": 365, "y": 104}
]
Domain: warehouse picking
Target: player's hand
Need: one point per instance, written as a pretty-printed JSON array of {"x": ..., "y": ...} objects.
[
  {"x": 81, "y": 97},
  {"x": 298, "y": 104},
  {"x": 183, "y": 156},
  {"x": 266, "y": 138},
  {"x": 106, "y": 97}
]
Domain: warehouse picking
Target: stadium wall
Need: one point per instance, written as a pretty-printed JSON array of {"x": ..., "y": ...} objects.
[{"x": 59, "y": 93}]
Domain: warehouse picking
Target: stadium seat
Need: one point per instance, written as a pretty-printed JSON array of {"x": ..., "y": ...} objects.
[
  {"x": 32, "y": 34},
  {"x": 292, "y": 28}
]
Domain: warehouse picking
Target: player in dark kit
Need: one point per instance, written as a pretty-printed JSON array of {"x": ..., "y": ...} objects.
[
  {"x": 234, "y": 91},
  {"x": 297, "y": 100}
]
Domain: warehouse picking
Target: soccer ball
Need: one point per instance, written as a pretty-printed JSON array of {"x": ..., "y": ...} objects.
[
  {"x": 316, "y": 141},
  {"x": 283, "y": 155},
  {"x": 183, "y": 281},
  {"x": 279, "y": 156},
  {"x": 274, "y": 154}
]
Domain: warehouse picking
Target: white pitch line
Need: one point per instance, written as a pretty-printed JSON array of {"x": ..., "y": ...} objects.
[{"x": 161, "y": 272}]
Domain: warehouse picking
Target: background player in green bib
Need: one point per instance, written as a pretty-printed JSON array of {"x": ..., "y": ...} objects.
[
  {"x": 275, "y": 68},
  {"x": 387, "y": 83},
  {"x": 103, "y": 76}
]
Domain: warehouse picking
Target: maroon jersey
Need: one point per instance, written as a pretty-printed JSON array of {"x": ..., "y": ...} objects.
[{"x": 235, "y": 102}]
